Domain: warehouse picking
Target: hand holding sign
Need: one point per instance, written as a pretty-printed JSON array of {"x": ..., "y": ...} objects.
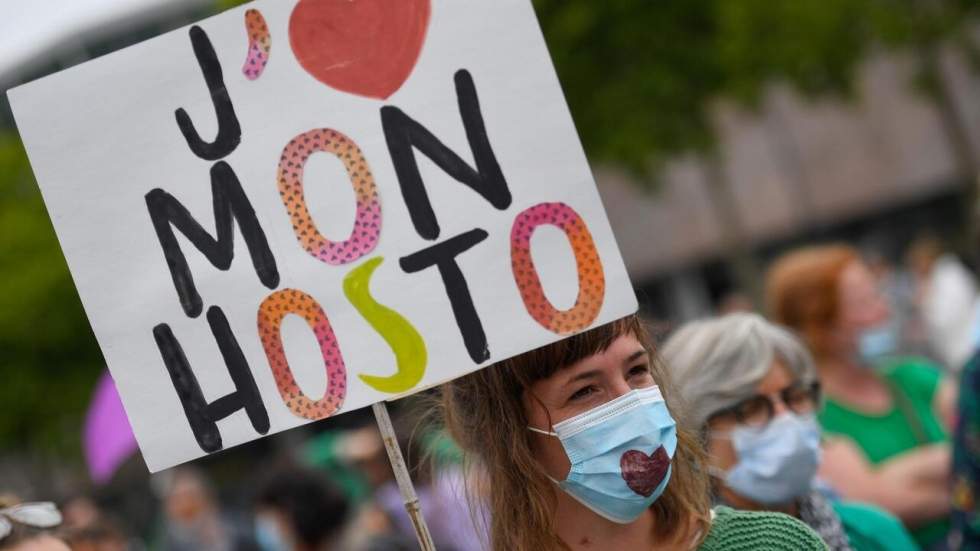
[{"x": 468, "y": 181}]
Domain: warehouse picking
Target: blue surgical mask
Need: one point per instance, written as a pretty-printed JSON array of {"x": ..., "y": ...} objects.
[
  {"x": 620, "y": 454},
  {"x": 877, "y": 342},
  {"x": 776, "y": 463},
  {"x": 267, "y": 535}
]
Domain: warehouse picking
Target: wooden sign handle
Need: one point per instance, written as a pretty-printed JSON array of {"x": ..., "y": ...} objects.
[{"x": 402, "y": 476}]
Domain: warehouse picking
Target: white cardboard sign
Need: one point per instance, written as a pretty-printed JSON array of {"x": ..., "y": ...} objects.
[{"x": 296, "y": 209}]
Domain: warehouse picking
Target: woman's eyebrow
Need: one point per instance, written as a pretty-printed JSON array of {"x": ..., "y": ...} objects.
[
  {"x": 583, "y": 375},
  {"x": 635, "y": 356}
]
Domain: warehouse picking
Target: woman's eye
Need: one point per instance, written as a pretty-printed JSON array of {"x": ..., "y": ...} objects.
[
  {"x": 639, "y": 370},
  {"x": 582, "y": 393}
]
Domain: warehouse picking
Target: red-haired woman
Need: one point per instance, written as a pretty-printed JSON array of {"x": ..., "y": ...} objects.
[{"x": 891, "y": 447}]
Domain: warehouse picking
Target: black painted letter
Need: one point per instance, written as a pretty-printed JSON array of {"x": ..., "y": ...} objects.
[
  {"x": 230, "y": 202},
  {"x": 229, "y": 131},
  {"x": 404, "y": 133},
  {"x": 202, "y": 416},
  {"x": 443, "y": 256}
]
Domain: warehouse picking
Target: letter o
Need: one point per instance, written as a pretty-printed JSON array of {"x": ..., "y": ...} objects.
[
  {"x": 591, "y": 280},
  {"x": 367, "y": 221},
  {"x": 273, "y": 309}
]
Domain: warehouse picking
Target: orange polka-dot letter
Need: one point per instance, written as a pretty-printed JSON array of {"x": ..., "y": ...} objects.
[
  {"x": 367, "y": 222},
  {"x": 591, "y": 281},
  {"x": 274, "y": 308}
]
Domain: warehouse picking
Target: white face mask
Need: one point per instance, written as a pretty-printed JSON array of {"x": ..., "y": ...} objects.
[
  {"x": 620, "y": 453},
  {"x": 776, "y": 463}
]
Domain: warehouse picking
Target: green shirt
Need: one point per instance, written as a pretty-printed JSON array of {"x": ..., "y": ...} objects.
[
  {"x": 733, "y": 530},
  {"x": 883, "y": 436},
  {"x": 868, "y": 528}
]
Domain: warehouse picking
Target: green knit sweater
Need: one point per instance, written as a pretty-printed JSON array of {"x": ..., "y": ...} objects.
[{"x": 733, "y": 530}]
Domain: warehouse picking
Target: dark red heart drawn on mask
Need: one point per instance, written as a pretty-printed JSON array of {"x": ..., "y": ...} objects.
[{"x": 642, "y": 472}]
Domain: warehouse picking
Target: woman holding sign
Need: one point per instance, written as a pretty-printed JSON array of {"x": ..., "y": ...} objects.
[{"x": 579, "y": 450}]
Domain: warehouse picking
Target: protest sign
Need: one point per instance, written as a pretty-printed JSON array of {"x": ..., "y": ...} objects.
[{"x": 296, "y": 209}]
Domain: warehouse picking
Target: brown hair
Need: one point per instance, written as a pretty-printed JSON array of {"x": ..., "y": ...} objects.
[
  {"x": 802, "y": 291},
  {"x": 484, "y": 412}
]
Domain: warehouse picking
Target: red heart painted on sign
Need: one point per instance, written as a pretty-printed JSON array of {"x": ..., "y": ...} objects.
[
  {"x": 365, "y": 47},
  {"x": 642, "y": 472}
]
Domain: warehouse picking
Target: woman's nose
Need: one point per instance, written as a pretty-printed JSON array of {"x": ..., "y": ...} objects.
[
  {"x": 778, "y": 405},
  {"x": 620, "y": 387}
]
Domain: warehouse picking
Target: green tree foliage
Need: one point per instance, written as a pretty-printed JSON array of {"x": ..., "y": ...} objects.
[
  {"x": 49, "y": 359},
  {"x": 640, "y": 76}
]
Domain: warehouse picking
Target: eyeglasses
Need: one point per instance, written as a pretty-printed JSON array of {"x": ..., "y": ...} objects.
[{"x": 758, "y": 410}]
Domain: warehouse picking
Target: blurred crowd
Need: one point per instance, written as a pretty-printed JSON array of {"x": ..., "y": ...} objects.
[
  {"x": 850, "y": 399},
  {"x": 336, "y": 492}
]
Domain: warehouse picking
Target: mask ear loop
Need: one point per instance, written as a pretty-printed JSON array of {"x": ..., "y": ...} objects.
[
  {"x": 539, "y": 431},
  {"x": 548, "y": 433},
  {"x": 545, "y": 432},
  {"x": 548, "y": 413}
]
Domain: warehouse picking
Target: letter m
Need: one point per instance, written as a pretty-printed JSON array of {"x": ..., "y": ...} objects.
[{"x": 230, "y": 203}]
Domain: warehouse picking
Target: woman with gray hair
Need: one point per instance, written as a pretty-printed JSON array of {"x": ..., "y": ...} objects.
[{"x": 751, "y": 389}]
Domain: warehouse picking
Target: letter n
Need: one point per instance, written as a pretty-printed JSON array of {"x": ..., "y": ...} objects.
[{"x": 403, "y": 134}]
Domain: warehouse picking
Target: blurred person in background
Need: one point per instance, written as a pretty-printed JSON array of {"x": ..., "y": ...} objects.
[
  {"x": 948, "y": 300},
  {"x": 298, "y": 509},
  {"x": 897, "y": 284},
  {"x": 965, "y": 517},
  {"x": 79, "y": 511},
  {"x": 101, "y": 534},
  {"x": 389, "y": 543},
  {"x": 87, "y": 527},
  {"x": 361, "y": 450},
  {"x": 192, "y": 518},
  {"x": 733, "y": 302},
  {"x": 440, "y": 491},
  {"x": 750, "y": 389},
  {"x": 886, "y": 442},
  {"x": 27, "y": 526}
]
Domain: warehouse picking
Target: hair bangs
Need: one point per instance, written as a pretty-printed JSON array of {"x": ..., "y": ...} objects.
[{"x": 543, "y": 362}]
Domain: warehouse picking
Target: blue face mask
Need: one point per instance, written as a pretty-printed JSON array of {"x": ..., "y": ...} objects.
[
  {"x": 620, "y": 454},
  {"x": 877, "y": 343},
  {"x": 267, "y": 535},
  {"x": 777, "y": 463}
]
